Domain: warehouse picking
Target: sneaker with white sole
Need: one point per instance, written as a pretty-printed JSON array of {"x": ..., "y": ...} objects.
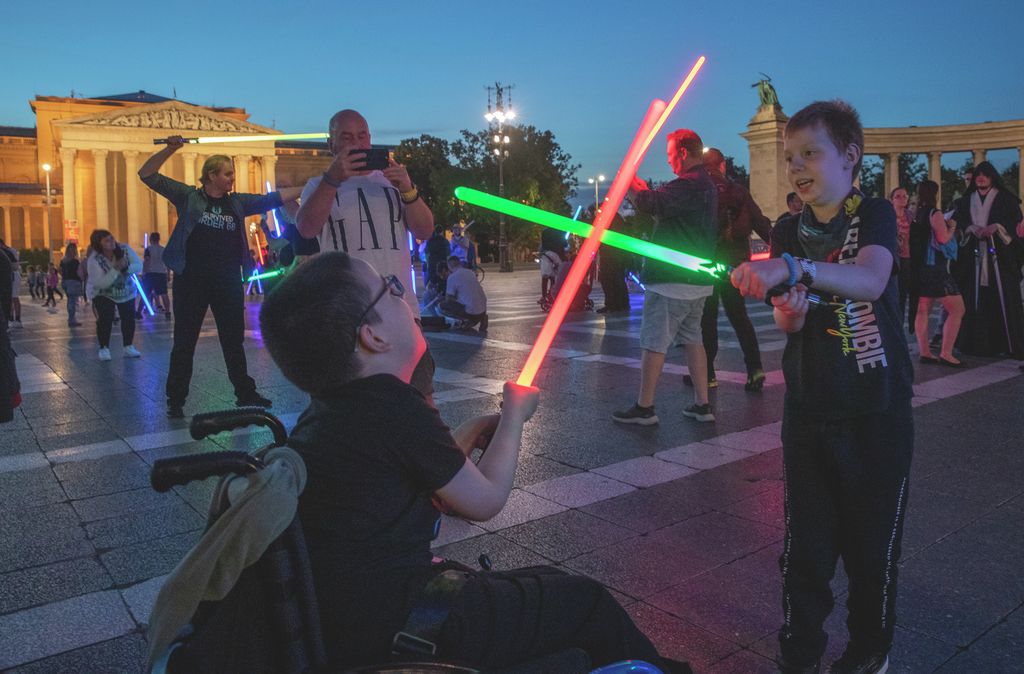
[
  {"x": 104, "y": 354},
  {"x": 641, "y": 416},
  {"x": 131, "y": 352},
  {"x": 699, "y": 412}
]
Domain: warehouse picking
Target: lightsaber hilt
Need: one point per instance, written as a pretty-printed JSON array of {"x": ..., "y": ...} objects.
[{"x": 163, "y": 141}]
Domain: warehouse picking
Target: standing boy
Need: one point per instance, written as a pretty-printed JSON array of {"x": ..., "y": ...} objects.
[{"x": 847, "y": 428}]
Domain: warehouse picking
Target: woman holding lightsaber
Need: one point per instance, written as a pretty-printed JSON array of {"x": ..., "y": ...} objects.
[{"x": 205, "y": 251}]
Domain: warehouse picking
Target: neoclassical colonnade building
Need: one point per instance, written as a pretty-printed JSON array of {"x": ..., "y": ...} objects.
[
  {"x": 94, "y": 147},
  {"x": 769, "y": 187}
]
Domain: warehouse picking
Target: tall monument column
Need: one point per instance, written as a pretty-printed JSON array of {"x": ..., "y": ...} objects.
[
  {"x": 892, "y": 172},
  {"x": 131, "y": 169},
  {"x": 979, "y": 156},
  {"x": 768, "y": 183},
  {"x": 161, "y": 216},
  {"x": 102, "y": 212},
  {"x": 67, "y": 164}
]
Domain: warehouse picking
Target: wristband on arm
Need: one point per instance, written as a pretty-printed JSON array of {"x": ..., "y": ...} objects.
[{"x": 794, "y": 271}]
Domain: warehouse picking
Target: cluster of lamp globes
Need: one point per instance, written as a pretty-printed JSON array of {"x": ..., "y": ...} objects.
[{"x": 500, "y": 116}]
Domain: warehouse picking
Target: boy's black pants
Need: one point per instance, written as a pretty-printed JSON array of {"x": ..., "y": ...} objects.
[
  {"x": 193, "y": 294},
  {"x": 846, "y": 496},
  {"x": 507, "y": 617}
]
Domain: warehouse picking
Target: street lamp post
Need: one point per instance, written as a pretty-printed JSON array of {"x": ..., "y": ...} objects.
[
  {"x": 497, "y": 119},
  {"x": 46, "y": 232},
  {"x": 596, "y": 182}
]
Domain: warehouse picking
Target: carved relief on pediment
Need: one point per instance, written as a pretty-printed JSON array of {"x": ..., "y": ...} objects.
[{"x": 172, "y": 119}]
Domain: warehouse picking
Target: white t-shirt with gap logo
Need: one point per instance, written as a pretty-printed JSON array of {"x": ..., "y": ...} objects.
[{"x": 367, "y": 220}]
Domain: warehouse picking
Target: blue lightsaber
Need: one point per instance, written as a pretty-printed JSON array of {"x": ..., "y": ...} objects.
[
  {"x": 273, "y": 214},
  {"x": 142, "y": 293}
]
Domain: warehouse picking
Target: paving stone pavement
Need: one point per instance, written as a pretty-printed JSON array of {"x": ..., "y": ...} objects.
[{"x": 681, "y": 521}]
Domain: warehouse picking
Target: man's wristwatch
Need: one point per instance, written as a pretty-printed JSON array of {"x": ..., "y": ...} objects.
[{"x": 808, "y": 271}]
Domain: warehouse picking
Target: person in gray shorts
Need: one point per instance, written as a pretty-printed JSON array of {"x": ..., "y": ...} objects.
[{"x": 686, "y": 219}]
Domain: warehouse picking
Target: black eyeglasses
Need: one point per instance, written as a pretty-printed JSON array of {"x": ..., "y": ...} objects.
[{"x": 391, "y": 285}]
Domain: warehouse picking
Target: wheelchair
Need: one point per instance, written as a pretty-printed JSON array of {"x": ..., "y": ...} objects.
[{"x": 269, "y": 621}]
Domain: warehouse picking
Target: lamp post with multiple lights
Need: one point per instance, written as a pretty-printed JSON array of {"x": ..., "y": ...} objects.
[
  {"x": 497, "y": 117},
  {"x": 596, "y": 182},
  {"x": 49, "y": 200}
]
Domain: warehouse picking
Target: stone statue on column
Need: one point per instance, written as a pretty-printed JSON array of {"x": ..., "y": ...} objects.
[{"x": 766, "y": 92}]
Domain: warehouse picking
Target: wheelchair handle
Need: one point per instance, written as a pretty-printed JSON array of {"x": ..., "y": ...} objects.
[
  {"x": 209, "y": 423},
  {"x": 181, "y": 470}
]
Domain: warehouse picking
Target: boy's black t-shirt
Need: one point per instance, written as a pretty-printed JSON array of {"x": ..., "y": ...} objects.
[
  {"x": 213, "y": 246},
  {"x": 850, "y": 358},
  {"x": 375, "y": 453}
]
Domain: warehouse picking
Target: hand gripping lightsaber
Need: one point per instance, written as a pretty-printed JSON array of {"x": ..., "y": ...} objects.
[
  {"x": 609, "y": 238},
  {"x": 249, "y": 139}
]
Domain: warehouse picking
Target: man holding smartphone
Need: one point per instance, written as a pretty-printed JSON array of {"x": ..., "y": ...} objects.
[{"x": 364, "y": 206}]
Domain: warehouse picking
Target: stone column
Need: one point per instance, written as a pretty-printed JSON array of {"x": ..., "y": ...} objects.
[
  {"x": 131, "y": 170},
  {"x": 768, "y": 183},
  {"x": 7, "y": 226},
  {"x": 26, "y": 224},
  {"x": 190, "y": 168},
  {"x": 161, "y": 216},
  {"x": 892, "y": 172},
  {"x": 67, "y": 161},
  {"x": 1020, "y": 171},
  {"x": 270, "y": 172},
  {"x": 979, "y": 156},
  {"x": 935, "y": 172},
  {"x": 242, "y": 173},
  {"x": 102, "y": 212}
]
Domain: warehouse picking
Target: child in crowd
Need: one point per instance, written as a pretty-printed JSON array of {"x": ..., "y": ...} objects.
[
  {"x": 31, "y": 276},
  {"x": 847, "y": 428},
  {"x": 377, "y": 453},
  {"x": 52, "y": 281}
]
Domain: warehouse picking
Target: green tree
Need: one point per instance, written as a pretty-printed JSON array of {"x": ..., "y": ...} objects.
[
  {"x": 426, "y": 158},
  {"x": 537, "y": 172},
  {"x": 872, "y": 177},
  {"x": 1011, "y": 178}
]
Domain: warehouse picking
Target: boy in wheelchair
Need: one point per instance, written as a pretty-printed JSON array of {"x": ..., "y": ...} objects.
[{"x": 377, "y": 453}]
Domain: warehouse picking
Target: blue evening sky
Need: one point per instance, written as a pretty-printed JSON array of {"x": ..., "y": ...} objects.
[{"x": 585, "y": 70}]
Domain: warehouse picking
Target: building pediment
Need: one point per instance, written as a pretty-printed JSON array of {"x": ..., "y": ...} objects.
[{"x": 169, "y": 116}]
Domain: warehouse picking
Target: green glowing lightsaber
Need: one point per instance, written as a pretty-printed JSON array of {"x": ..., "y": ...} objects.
[
  {"x": 610, "y": 238},
  {"x": 264, "y": 275},
  {"x": 614, "y": 239},
  {"x": 249, "y": 139}
]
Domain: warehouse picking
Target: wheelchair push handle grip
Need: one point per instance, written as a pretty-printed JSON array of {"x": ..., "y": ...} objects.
[
  {"x": 181, "y": 470},
  {"x": 209, "y": 423}
]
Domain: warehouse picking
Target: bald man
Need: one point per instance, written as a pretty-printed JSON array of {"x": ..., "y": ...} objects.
[{"x": 366, "y": 214}]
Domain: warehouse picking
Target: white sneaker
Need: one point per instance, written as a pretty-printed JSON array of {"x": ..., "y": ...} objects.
[
  {"x": 131, "y": 352},
  {"x": 104, "y": 354}
]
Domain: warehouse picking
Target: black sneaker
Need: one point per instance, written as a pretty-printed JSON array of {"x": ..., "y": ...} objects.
[
  {"x": 787, "y": 668},
  {"x": 699, "y": 412},
  {"x": 856, "y": 661},
  {"x": 755, "y": 380},
  {"x": 175, "y": 411},
  {"x": 642, "y": 416},
  {"x": 253, "y": 400}
]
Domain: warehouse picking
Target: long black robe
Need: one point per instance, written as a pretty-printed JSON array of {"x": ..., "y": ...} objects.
[{"x": 983, "y": 332}]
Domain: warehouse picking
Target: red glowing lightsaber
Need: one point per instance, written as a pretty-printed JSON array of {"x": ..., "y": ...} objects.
[
  {"x": 587, "y": 250},
  {"x": 627, "y": 171},
  {"x": 671, "y": 106}
]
